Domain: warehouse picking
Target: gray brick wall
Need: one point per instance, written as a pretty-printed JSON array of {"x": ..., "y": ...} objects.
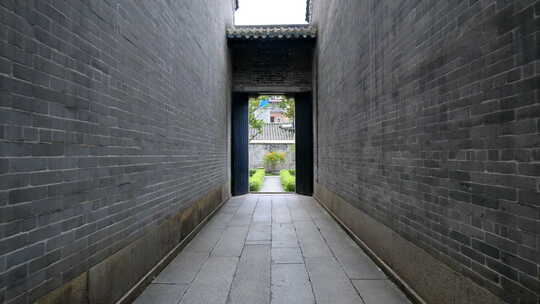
[
  {"x": 428, "y": 120},
  {"x": 272, "y": 65},
  {"x": 113, "y": 115}
]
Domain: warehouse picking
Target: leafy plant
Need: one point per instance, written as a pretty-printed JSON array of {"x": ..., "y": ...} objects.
[
  {"x": 288, "y": 181},
  {"x": 256, "y": 180},
  {"x": 272, "y": 159},
  {"x": 287, "y": 105}
]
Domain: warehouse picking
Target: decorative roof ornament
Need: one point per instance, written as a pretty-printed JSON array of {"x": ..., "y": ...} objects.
[{"x": 272, "y": 32}]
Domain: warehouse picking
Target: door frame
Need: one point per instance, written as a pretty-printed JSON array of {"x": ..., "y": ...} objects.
[
  {"x": 239, "y": 144},
  {"x": 304, "y": 142}
]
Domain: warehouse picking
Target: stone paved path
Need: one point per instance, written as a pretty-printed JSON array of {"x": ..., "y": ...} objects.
[
  {"x": 272, "y": 184},
  {"x": 281, "y": 248}
]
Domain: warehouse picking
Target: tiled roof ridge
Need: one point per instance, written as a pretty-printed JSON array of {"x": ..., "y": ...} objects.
[
  {"x": 285, "y": 31},
  {"x": 295, "y": 25},
  {"x": 273, "y": 131}
]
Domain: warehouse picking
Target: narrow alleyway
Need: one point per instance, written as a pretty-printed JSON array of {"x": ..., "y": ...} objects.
[
  {"x": 272, "y": 184},
  {"x": 272, "y": 249}
]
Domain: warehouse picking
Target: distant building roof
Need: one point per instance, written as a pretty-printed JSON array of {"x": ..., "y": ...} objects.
[
  {"x": 272, "y": 32},
  {"x": 274, "y": 133}
]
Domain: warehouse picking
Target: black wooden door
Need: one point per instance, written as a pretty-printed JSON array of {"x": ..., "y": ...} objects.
[
  {"x": 304, "y": 143},
  {"x": 239, "y": 144}
]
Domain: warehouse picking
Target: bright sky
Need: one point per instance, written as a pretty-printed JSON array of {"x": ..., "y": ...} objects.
[{"x": 271, "y": 12}]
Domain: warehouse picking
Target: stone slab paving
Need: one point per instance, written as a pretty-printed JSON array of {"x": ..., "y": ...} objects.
[
  {"x": 272, "y": 249},
  {"x": 272, "y": 184},
  {"x": 252, "y": 280},
  {"x": 162, "y": 293},
  {"x": 290, "y": 284},
  {"x": 285, "y": 255}
]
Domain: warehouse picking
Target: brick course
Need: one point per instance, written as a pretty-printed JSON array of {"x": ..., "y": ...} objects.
[
  {"x": 428, "y": 121},
  {"x": 113, "y": 116},
  {"x": 282, "y": 65}
]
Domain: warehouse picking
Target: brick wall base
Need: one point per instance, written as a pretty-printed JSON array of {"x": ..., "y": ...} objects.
[
  {"x": 110, "y": 280},
  {"x": 430, "y": 278}
]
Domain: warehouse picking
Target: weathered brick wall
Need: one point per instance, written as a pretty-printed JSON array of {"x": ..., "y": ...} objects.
[
  {"x": 428, "y": 121},
  {"x": 113, "y": 115},
  {"x": 272, "y": 65}
]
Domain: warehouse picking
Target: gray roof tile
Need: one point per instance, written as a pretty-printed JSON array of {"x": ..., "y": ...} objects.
[
  {"x": 273, "y": 132},
  {"x": 262, "y": 32}
]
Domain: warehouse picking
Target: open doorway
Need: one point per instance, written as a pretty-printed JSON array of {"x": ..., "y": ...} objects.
[
  {"x": 271, "y": 143},
  {"x": 298, "y": 158}
]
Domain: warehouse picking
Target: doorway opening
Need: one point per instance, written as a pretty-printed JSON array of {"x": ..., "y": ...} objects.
[
  {"x": 296, "y": 165},
  {"x": 271, "y": 143}
]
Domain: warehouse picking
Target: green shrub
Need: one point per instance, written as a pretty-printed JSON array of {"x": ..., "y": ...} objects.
[
  {"x": 256, "y": 180},
  {"x": 288, "y": 181},
  {"x": 272, "y": 159},
  {"x": 252, "y": 171},
  {"x": 293, "y": 172}
]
